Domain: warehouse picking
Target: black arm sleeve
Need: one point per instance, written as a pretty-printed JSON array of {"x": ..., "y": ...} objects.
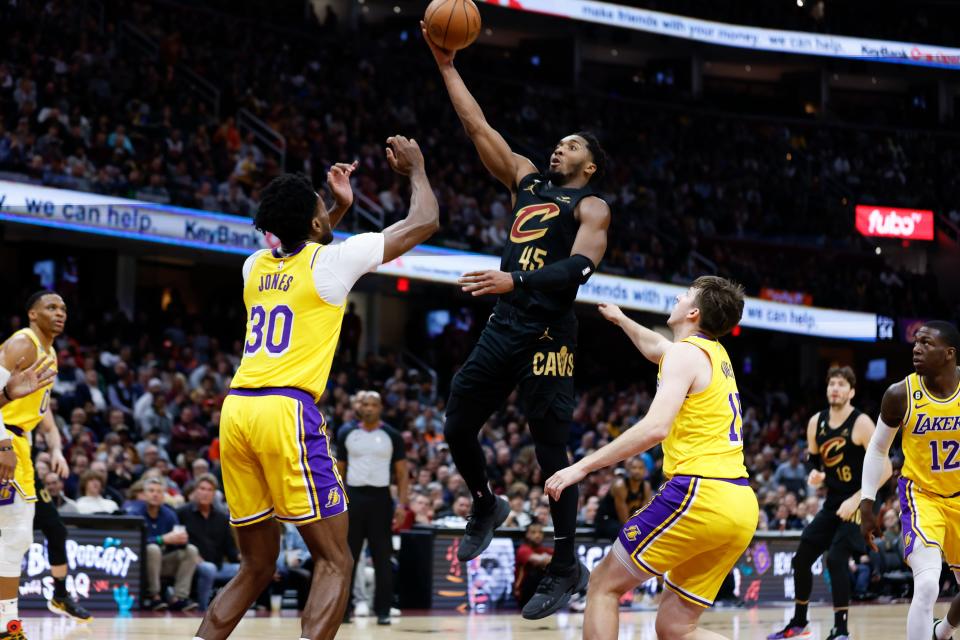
[
  {"x": 565, "y": 273},
  {"x": 814, "y": 462}
]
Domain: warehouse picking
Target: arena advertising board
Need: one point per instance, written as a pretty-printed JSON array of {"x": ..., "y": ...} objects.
[
  {"x": 105, "y": 567},
  {"x": 742, "y": 36},
  {"x": 894, "y": 222},
  {"x": 90, "y": 213},
  {"x": 656, "y": 297},
  {"x": 130, "y": 219},
  {"x": 763, "y": 575}
]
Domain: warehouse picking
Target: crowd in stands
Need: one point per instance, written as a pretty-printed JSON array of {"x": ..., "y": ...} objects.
[{"x": 692, "y": 191}]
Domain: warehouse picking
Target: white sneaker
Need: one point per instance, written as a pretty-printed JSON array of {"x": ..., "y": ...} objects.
[
  {"x": 362, "y": 610},
  {"x": 394, "y": 613}
]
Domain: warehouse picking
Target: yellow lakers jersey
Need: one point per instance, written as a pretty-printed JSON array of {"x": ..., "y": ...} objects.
[
  {"x": 707, "y": 435},
  {"x": 931, "y": 439},
  {"x": 27, "y": 411},
  {"x": 292, "y": 333}
]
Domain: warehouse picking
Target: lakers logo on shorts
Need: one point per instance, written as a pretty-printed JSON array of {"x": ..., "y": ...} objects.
[
  {"x": 6, "y": 494},
  {"x": 333, "y": 498},
  {"x": 632, "y": 532},
  {"x": 906, "y": 539}
]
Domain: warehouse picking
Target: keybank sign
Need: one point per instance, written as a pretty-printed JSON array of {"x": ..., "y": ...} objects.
[{"x": 131, "y": 219}]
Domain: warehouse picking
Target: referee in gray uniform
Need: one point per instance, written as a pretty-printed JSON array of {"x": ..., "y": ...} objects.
[{"x": 369, "y": 450}]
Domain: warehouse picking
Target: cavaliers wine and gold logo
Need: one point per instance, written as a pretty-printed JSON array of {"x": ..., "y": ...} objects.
[
  {"x": 519, "y": 234},
  {"x": 832, "y": 451}
]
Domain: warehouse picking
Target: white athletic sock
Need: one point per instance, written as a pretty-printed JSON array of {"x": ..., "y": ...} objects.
[
  {"x": 8, "y": 612},
  {"x": 944, "y": 631}
]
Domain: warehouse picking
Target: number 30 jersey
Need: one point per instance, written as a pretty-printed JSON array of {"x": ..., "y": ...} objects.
[
  {"x": 295, "y": 306},
  {"x": 542, "y": 232},
  {"x": 931, "y": 439},
  {"x": 706, "y": 438}
]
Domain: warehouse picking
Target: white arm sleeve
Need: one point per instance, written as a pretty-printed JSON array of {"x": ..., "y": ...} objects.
[
  {"x": 4, "y": 376},
  {"x": 338, "y": 267},
  {"x": 248, "y": 263},
  {"x": 875, "y": 460}
]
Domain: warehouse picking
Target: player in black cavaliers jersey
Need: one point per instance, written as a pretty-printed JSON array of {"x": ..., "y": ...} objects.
[
  {"x": 558, "y": 237},
  {"x": 837, "y": 440},
  {"x": 625, "y": 497}
]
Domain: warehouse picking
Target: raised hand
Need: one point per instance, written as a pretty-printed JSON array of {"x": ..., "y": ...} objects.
[
  {"x": 443, "y": 56},
  {"x": 25, "y": 380},
  {"x": 404, "y": 155},
  {"x": 338, "y": 180}
]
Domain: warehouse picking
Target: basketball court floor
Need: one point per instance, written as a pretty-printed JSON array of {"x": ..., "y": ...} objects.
[{"x": 873, "y": 622}]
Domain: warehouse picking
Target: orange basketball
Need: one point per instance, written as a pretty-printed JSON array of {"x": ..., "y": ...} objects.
[{"x": 452, "y": 24}]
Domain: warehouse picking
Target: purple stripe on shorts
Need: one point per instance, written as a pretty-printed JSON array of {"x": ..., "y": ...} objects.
[
  {"x": 697, "y": 599},
  {"x": 320, "y": 463},
  {"x": 289, "y": 392},
  {"x": 14, "y": 430},
  {"x": 666, "y": 507},
  {"x": 909, "y": 522},
  {"x": 256, "y": 516}
]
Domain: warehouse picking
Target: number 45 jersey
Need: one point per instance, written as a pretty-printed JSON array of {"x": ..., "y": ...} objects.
[
  {"x": 543, "y": 230},
  {"x": 295, "y": 305}
]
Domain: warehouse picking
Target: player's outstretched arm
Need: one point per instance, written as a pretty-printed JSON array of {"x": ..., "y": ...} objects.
[
  {"x": 650, "y": 343},
  {"x": 423, "y": 217},
  {"x": 681, "y": 364},
  {"x": 496, "y": 155},
  {"x": 338, "y": 181},
  {"x": 876, "y": 461}
]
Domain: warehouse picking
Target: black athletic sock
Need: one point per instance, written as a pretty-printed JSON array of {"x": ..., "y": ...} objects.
[
  {"x": 840, "y": 621},
  {"x": 484, "y": 501},
  {"x": 564, "y": 559},
  {"x": 800, "y": 613},
  {"x": 60, "y": 588}
]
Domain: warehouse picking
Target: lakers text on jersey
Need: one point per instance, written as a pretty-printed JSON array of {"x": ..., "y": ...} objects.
[
  {"x": 930, "y": 485},
  {"x": 700, "y": 522},
  {"x": 21, "y": 416}
]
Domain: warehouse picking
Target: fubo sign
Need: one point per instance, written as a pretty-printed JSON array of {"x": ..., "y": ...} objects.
[{"x": 891, "y": 222}]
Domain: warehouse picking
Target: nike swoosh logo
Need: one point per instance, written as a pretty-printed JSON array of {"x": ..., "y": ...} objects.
[{"x": 920, "y": 406}]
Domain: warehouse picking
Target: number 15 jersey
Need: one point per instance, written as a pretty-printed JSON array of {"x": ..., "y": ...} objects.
[
  {"x": 295, "y": 306},
  {"x": 706, "y": 438},
  {"x": 931, "y": 439}
]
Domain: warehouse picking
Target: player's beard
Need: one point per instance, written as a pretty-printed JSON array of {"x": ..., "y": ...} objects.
[{"x": 558, "y": 179}]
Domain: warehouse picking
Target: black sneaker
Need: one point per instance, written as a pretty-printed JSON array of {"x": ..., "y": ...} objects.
[
  {"x": 155, "y": 603},
  {"x": 68, "y": 608},
  {"x": 383, "y": 620},
  {"x": 347, "y": 616},
  {"x": 479, "y": 531},
  {"x": 184, "y": 604},
  {"x": 554, "y": 592},
  {"x": 838, "y": 635}
]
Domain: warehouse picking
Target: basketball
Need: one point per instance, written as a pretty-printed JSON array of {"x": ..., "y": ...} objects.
[{"x": 452, "y": 24}]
